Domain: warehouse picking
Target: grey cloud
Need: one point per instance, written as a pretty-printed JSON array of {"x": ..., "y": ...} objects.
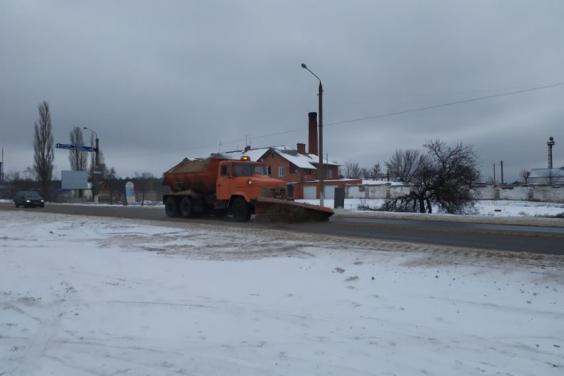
[{"x": 161, "y": 80}]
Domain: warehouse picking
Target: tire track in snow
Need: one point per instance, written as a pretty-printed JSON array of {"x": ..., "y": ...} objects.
[{"x": 49, "y": 326}]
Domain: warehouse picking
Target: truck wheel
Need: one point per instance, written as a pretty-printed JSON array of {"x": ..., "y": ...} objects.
[
  {"x": 171, "y": 208},
  {"x": 240, "y": 210},
  {"x": 186, "y": 207}
]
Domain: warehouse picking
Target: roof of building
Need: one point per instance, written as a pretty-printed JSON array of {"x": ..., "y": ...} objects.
[{"x": 305, "y": 161}]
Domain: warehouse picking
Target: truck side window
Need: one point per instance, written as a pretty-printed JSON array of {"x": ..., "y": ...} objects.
[{"x": 224, "y": 171}]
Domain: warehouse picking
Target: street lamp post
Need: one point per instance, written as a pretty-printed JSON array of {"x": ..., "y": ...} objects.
[
  {"x": 96, "y": 163},
  {"x": 320, "y": 168}
]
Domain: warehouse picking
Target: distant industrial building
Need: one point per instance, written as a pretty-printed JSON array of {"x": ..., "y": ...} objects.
[{"x": 547, "y": 176}]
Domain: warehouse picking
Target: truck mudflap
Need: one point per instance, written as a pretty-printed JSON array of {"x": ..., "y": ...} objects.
[{"x": 277, "y": 210}]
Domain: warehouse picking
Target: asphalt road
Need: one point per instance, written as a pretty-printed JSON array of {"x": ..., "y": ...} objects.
[{"x": 535, "y": 239}]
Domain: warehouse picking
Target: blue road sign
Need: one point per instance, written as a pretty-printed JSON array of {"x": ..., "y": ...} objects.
[
  {"x": 89, "y": 149},
  {"x": 65, "y": 146}
]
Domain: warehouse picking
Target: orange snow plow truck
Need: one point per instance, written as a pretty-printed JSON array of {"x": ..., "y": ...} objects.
[{"x": 223, "y": 186}]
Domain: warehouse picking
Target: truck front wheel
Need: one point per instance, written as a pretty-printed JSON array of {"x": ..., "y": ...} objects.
[
  {"x": 171, "y": 208},
  {"x": 240, "y": 209},
  {"x": 186, "y": 207}
]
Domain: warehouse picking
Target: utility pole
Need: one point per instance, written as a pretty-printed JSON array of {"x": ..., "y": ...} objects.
[
  {"x": 501, "y": 168},
  {"x": 97, "y": 151},
  {"x": 550, "y": 144},
  {"x": 321, "y": 164},
  {"x": 320, "y": 167},
  {"x": 494, "y": 173},
  {"x": 2, "y": 167},
  {"x": 96, "y": 164}
]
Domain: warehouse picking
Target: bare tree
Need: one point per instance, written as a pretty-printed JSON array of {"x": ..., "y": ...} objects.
[
  {"x": 78, "y": 158},
  {"x": 352, "y": 170},
  {"x": 525, "y": 175},
  {"x": 442, "y": 176},
  {"x": 373, "y": 172},
  {"x": 404, "y": 164},
  {"x": 43, "y": 149},
  {"x": 376, "y": 171}
]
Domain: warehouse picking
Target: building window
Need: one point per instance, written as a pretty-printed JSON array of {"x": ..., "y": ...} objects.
[
  {"x": 330, "y": 174},
  {"x": 280, "y": 171}
]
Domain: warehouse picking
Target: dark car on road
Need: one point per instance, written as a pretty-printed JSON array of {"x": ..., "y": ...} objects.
[{"x": 28, "y": 199}]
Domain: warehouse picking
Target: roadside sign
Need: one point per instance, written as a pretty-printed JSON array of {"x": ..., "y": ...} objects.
[
  {"x": 65, "y": 146},
  {"x": 89, "y": 149},
  {"x": 130, "y": 193}
]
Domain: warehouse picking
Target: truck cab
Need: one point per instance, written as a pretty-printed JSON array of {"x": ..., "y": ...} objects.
[{"x": 248, "y": 180}]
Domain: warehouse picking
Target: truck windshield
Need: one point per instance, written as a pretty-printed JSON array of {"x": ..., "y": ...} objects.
[{"x": 248, "y": 169}]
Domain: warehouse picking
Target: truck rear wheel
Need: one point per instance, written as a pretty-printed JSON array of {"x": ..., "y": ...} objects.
[
  {"x": 186, "y": 207},
  {"x": 171, "y": 208},
  {"x": 240, "y": 209}
]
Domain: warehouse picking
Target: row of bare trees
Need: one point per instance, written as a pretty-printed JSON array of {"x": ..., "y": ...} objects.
[
  {"x": 44, "y": 153},
  {"x": 352, "y": 170}
]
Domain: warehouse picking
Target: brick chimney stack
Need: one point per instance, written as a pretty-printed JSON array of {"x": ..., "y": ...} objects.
[
  {"x": 312, "y": 134},
  {"x": 301, "y": 148}
]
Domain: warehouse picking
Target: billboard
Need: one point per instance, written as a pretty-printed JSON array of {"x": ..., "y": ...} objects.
[{"x": 74, "y": 180}]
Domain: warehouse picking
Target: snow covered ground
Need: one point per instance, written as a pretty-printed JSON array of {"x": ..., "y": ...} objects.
[
  {"x": 497, "y": 208},
  {"x": 96, "y": 296}
]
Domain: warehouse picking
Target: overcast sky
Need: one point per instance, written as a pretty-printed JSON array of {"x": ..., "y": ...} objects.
[{"x": 161, "y": 80}]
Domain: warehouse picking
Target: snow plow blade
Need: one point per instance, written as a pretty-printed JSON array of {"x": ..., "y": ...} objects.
[{"x": 277, "y": 210}]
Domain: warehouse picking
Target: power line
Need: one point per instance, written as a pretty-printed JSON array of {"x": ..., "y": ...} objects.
[
  {"x": 447, "y": 104},
  {"x": 408, "y": 111}
]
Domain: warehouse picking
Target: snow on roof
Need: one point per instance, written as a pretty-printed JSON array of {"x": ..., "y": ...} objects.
[
  {"x": 256, "y": 154},
  {"x": 253, "y": 154},
  {"x": 300, "y": 160},
  {"x": 307, "y": 161}
]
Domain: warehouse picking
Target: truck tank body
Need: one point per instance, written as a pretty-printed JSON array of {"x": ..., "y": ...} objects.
[{"x": 198, "y": 175}]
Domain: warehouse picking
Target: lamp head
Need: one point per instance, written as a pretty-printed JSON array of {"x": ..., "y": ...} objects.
[{"x": 304, "y": 66}]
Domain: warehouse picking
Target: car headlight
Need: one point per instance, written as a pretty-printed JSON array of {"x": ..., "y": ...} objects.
[
  {"x": 42, "y": 201},
  {"x": 27, "y": 201}
]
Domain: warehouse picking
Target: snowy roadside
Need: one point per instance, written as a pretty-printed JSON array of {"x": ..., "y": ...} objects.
[
  {"x": 83, "y": 295},
  {"x": 490, "y": 208},
  {"x": 487, "y": 211}
]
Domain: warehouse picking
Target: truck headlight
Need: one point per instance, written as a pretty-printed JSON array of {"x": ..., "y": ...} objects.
[{"x": 250, "y": 182}]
